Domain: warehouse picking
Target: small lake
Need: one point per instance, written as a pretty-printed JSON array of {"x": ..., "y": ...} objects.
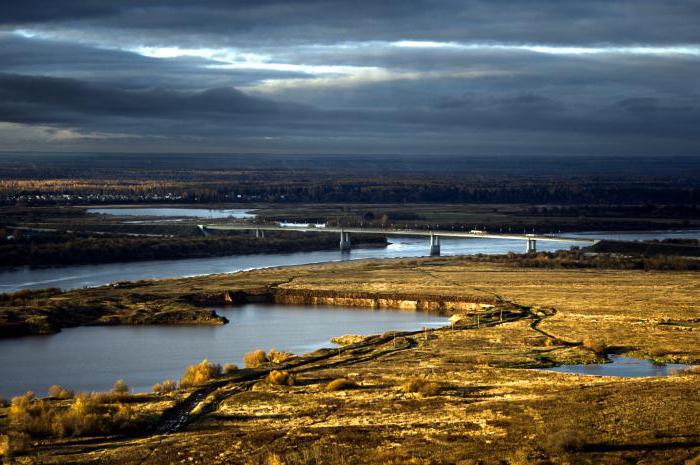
[
  {"x": 174, "y": 212},
  {"x": 92, "y": 358},
  {"x": 620, "y": 366}
]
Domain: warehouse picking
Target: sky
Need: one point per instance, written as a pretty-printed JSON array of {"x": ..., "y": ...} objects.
[{"x": 465, "y": 77}]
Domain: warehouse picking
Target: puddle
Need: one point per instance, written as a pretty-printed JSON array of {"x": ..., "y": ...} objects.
[{"x": 626, "y": 367}]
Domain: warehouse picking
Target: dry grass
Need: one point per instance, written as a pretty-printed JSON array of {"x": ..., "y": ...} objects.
[
  {"x": 421, "y": 386},
  {"x": 59, "y": 392},
  {"x": 255, "y": 359},
  {"x": 510, "y": 408},
  {"x": 200, "y": 373},
  {"x": 277, "y": 357},
  {"x": 341, "y": 384},
  {"x": 169, "y": 385},
  {"x": 281, "y": 378}
]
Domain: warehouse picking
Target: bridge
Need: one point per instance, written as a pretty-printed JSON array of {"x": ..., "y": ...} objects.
[{"x": 434, "y": 236}]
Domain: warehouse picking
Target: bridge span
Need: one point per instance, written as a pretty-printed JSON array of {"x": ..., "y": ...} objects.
[{"x": 433, "y": 235}]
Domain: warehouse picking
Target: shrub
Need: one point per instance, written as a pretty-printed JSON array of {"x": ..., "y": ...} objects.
[
  {"x": 84, "y": 416},
  {"x": 31, "y": 416},
  {"x": 341, "y": 384},
  {"x": 694, "y": 370},
  {"x": 12, "y": 443},
  {"x": 281, "y": 378},
  {"x": 255, "y": 359},
  {"x": 3, "y": 402},
  {"x": 88, "y": 414},
  {"x": 169, "y": 385},
  {"x": 230, "y": 368},
  {"x": 59, "y": 392},
  {"x": 476, "y": 359},
  {"x": 120, "y": 387},
  {"x": 200, "y": 373},
  {"x": 565, "y": 440},
  {"x": 597, "y": 346},
  {"x": 535, "y": 341},
  {"x": 348, "y": 339},
  {"x": 422, "y": 386},
  {"x": 277, "y": 357},
  {"x": 4, "y": 445}
]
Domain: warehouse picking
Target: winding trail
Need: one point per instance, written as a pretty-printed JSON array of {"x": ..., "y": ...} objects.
[{"x": 205, "y": 399}]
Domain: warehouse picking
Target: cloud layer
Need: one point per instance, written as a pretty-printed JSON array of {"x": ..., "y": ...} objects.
[{"x": 467, "y": 77}]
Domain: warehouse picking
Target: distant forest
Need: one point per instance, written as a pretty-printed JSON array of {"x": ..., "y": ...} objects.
[{"x": 77, "y": 179}]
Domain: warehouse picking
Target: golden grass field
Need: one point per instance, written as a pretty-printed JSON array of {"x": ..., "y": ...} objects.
[{"x": 487, "y": 403}]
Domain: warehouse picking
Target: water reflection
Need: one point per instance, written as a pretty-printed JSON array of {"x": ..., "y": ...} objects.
[
  {"x": 92, "y": 358},
  {"x": 621, "y": 366}
]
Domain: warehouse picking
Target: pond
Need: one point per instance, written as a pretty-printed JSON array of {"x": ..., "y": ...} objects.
[
  {"x": 92, "y": 358},
  {"x": 620, "y": 366}
]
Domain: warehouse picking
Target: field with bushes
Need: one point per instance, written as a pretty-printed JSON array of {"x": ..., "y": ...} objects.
[{"x": 472, "y": 392}]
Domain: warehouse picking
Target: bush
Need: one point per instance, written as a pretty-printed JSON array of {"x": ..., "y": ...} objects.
[
  {"x": 566, "y": 440},
  {"x": 230, "y": 368},
  {"x": 597, "y": 346},
  {"x": 120, "y": 387},
  {"x": 200, "y": 373},
  {"x": 277, "y": 357},
  {"x": 88, "y": 414},
  {"x": 84, "y": 416},
  {"x": 3, "y": 402},
  {"x": 169, "y": 385},
  {"x": 348, "y": 339},
  {"x": 31, "y": 416},
  {"x": 694, "y": 370},
  {"x": 422, "y": 386},
  {"x": 4, "y": 445},
  {"x": 12, "y": 443},
  {"x": 59, "y": 392},
  {"x": 341, "y": 384},
  {"x": 281, "y": 378},
  {"x": 255, "y": 359}
]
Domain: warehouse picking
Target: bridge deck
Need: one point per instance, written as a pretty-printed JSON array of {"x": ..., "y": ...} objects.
[{"x": 402, "y": 232}]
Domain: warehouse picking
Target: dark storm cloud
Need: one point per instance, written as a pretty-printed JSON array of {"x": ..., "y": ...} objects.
[
  {"x": 224, "y": 111},
  {"x": 51, "y": 99},
  {"x": 564, "y": 21},
  {"x": 22, "y": 55},
  {"x": 336, "y": 76}
]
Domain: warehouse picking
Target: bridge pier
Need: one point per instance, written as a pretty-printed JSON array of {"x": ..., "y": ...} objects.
[
  {"x": 434, "y": 245},
  {"x": 531, "y": 246},
  {"x": 344, "y": 241},
  {"x": 260, "y": 233}
]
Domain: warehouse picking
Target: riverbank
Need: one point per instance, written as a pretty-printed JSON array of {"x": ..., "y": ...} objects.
[
  {"x": 464, "y": 394},
  {"x": 445, "y": 285}
]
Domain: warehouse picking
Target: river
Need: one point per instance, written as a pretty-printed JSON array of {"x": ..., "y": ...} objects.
[
  {"x": 78, "y": 276},
  {"x": 92, "y": 358}
]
